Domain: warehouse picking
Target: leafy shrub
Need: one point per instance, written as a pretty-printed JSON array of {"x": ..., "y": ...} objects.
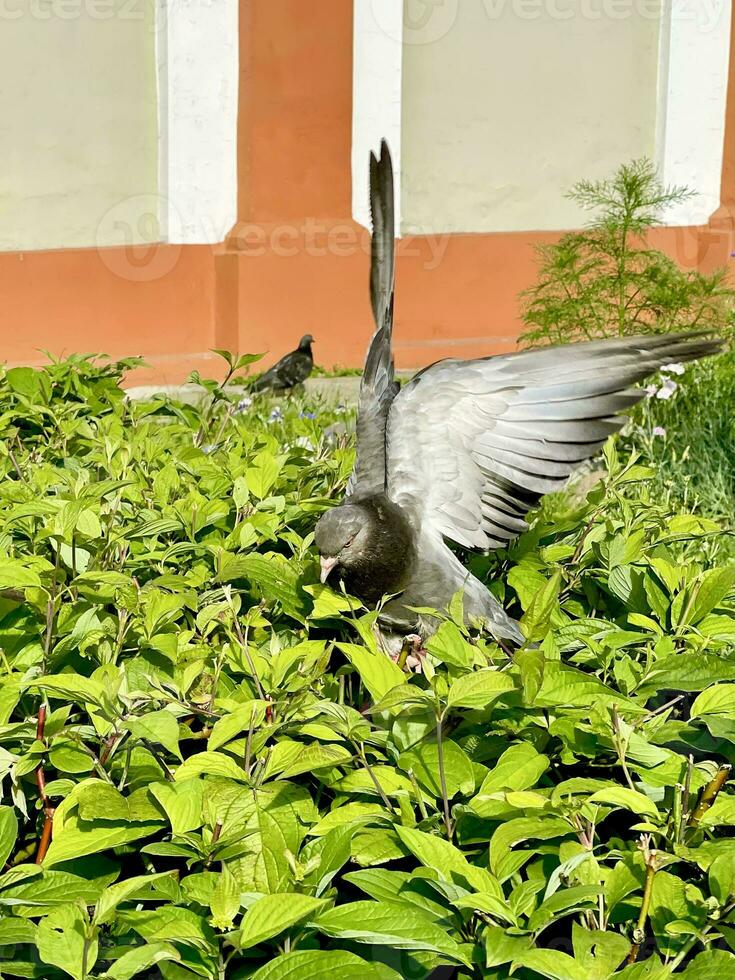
[
  {"x": 608, "y": 281},
  {"x": 688, "y": 432},
  {"x": 223, "y": 778}
]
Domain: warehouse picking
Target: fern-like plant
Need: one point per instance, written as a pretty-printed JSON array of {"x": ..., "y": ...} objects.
[{"x": 607, "y": 281}]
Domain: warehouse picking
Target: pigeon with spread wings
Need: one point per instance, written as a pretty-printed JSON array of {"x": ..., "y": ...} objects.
[{"x": 465, "y": 449}]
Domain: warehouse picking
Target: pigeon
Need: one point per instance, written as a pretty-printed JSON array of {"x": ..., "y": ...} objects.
[
  {"x": 293, "y": 369},
  {"x": 464, "y": 450}
]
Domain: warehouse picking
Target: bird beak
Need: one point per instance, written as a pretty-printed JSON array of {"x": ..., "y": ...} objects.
[{"x": 327, "y": 566}]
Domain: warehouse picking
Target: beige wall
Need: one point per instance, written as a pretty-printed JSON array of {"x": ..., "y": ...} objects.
[
  {"x": 502, "y": 113},
  {"x": 78, "y": 123}
]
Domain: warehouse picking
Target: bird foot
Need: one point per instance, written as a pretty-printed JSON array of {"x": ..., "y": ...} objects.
[{"x": 412, "y": 653}]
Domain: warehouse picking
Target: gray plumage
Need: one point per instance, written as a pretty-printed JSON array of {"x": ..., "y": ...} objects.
[{"x": 466, "y": 448}]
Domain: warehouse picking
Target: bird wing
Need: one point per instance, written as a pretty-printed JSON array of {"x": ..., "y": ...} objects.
[
  {"x": 378, "y": 387},
  {"x": 473, "y": 445}
]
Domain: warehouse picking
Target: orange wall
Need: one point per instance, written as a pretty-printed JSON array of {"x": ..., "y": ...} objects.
[
  {"x": 156, "y": 300},
  {"x": 296, "y": 261}
]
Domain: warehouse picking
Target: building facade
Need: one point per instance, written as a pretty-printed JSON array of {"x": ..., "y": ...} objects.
[{"x": 179, "y": 175}]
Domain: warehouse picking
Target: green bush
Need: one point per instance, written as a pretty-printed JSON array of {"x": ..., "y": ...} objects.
[
  {"x": 239, "y": 785},
  {"x": 690, "y": 437},
  {"x": 607, "y": 280}
]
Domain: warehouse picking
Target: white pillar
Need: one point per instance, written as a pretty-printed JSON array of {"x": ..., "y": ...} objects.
[
  {"x": 376, "y": 114},
  {"x": 197, "y": 53},
  {"x": 695, "y": 48}
]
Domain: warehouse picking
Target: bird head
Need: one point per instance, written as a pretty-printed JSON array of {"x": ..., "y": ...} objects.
[
  {"x": 306, "y": 341},
  {"x": 341, "y": 537}
]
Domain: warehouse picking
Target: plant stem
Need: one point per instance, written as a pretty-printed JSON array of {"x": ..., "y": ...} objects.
[
  {"x": 709, "y": 795},
  {"x": 419, "y": 798},
  {"x": 443, "y": 778},
  {"x": 640, "y": 931},
  {"x": 685, "y": 797},
  {"x": 249, "y": 743},
  {"x": 48, "y": 810},
  {"x": 363, "y": 759},
  {"x": 620, "y": 748},
  {"x": 243, "y": 641}
]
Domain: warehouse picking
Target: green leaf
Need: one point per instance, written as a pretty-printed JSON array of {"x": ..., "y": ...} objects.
[
  {"x": 521, "y": 829},
  {"x": 314, "y": 757},
  {"x": 722, "y": 879},
  {"x": 423, "y": 759},
  {"x": 519, "y": 768},
  {"x": 251, "y": 713},
  {"x": 15, "y": 574},
  {"x": 225, "y": 900},
  {"x": 566, "y": 686},
  {"x": 386, "y": 924},
  {"x": 722, "y": 813},
  {"x": 552, "y": 963},
  {"x": 158, "y": 727},
  {"x": 262, "y": 476},
  {"x": 73, "y": 687},
  {"x": 15, "y": 931},
  {"x": 716, "y": 700},
  {"x": 531, "y": 665},
  {"x": 566, "y": 901},
  {"x": 101, "y": 801},
  {"x": 537, "y": 617},
  {"x": 182, "y": 804},
  {"x": 273, "y": 576},
  {"x": 323, "y": 965},
  {"x": 688, "y": 672},
  {"x": 377, "y": 672},
  {"x": 274, "y": 914},
  {"x": 447, "y": 860},
  {"x": 450, "y": 647},
  {"x": 712, "y": 964},
  {"x": 8, "y": 833},
  {"x": 210, "y": 764},
  {"x": 66, "y": 940},
  {"x": 479, "y": 689},
  {"x": 135, "y": 961},
  {"x": 628, "y": 799},
  {"x": 78, "y": 838},
  {"x": 715, "y": 585},
  {"x": 121, "y": 892}
]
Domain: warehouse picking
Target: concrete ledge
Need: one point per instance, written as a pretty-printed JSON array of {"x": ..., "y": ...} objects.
[{"x": 338, "y": 390}]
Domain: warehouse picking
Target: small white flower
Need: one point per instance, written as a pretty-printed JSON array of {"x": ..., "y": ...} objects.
[
  {"x": 673, "y": 368},
  {"x": 667, "y": 389},
  {"x": 244, "y": 404},
  {"x": 659, "y": 431},
  {"x": 651, "y": 390},
  {"x": 276, "y": 415}
]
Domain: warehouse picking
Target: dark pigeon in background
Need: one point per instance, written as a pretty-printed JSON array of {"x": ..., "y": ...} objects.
[
  {"x": 464, "y": 450},
  {"x": 291, "y": 370}
]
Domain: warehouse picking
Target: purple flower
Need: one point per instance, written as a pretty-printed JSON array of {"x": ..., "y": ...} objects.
[
  {"x": 244, "y": 404},
  {"x": 208, "y": 449},
  {"x": 659, "y": 431},
  {"x": 276, "y": 415},
  {"x": 307, "y": 415}
]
